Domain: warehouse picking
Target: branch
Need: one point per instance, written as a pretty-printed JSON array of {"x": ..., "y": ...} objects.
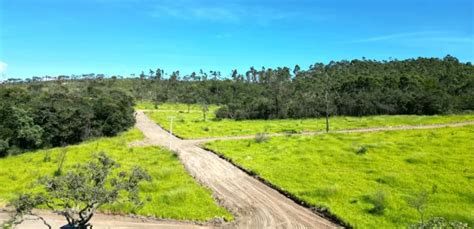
[
  {"x": 44, "y": 221},
  {"x": 88, "y": 206}
]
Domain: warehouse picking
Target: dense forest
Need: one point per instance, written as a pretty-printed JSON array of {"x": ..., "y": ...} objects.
[
  {"x": 47, "y": 115},
  {"x": 425, "y": 86},
  {"x": 45, "y": 111},
  {"x": 359, "y": 87}
]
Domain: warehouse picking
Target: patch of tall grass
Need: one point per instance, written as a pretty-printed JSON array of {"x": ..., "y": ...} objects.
[
  {"x": 370, "y": 180},
  {"x": 172, "y": 194}
]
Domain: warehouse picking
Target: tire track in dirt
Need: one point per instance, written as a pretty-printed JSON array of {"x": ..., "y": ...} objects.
[{"x": 254, "y": 204}]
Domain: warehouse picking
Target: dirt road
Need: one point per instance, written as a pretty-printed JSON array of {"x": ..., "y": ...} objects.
[
  {"x": 100, "y": 221},
  {"x": 361, "y": 130},
  {"x": 254, "y": 204}
]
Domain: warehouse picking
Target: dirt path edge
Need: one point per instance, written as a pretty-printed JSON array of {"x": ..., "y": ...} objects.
[{"x": 323, "y": 212}]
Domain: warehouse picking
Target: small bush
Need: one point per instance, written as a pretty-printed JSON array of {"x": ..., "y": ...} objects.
[
  {"x": 440, "y": 222},
  {"x": 362, "y": 150},
  {"x": 223, "y": 112},
  {"x": 47, "y": 156},
  {"x": 419, "y": 202},
  {"x": 379, "y": 201},
  {"x": 261, "y": 137},
  {"x": 205, "y": 128},
  {"x": 4, "y": 148},
  {"x": 289, "y": 133}
]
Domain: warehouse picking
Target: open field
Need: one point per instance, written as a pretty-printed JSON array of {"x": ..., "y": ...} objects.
[
  {"x": 350, "y": 174},
  {"x": 191, "y": 125},
  {"x": 172, "y": 194},
  {"x": 178, "y": 107}
]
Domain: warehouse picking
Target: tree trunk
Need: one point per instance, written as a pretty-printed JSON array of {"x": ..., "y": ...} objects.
[{"x": 327, "y": 111}]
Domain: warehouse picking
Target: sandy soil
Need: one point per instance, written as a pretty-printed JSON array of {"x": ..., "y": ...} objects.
[
  {"x": 100, "y": 221},
  {"x": 254, "y": 204}
]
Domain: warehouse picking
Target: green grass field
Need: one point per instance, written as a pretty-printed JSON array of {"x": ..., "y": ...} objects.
[
  {"x": 191, "y": 125},
  {"x": 148, "y": 105},
  {"x": 172, "y": 194},
  {"x": 344, "y": 172}
]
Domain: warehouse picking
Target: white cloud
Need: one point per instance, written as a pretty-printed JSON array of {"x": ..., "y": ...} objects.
[
  {"x": 397, "y": 36},
  {"x": 3, "y": 66},
  {"x": 224, "y": 11}
]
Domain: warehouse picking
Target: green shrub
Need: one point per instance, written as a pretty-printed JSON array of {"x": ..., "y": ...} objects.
[
  {"x": 440, "y": 223},
  {"x": 379, "y": 202},
  {"x": 52, "y": 116},
  {"x": 261, "y": 137},
  {"x": 362, "y": 150}
]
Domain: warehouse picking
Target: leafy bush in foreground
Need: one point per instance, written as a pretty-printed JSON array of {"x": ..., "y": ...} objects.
[{"x": 77, "y": 194}]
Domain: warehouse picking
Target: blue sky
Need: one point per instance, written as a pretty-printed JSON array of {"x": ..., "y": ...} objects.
[{"x": 39, "y": 37}]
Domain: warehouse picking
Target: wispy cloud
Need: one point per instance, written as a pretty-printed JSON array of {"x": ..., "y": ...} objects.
[
  {"x": 396, "y": 36},
  {"x": 198, "y": 13},
  {"x": 228, "y": 11},
  {"x": 451, "y": 39},
  {"x": 3, "y": 67},
  {"x": 418, "y": 38}
]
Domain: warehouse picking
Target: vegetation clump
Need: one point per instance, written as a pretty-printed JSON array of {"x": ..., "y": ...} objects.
[
  {"x": 308, "y": 164},
  {"x": 440, "y": 222},
  {"x": 379, "y": 202},
  {"x": 171, "y": 194},
  {"x": 48, "y": 115},
  {"x": 78, "y": 194},
  {"x": 362, "y": 150},
  {"x": 261, "y": 137}
]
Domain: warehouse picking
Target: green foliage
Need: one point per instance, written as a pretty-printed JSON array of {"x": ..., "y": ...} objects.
[
  {"x": 310, "y": 167},
  {"x": 354, "y": 88},
  {"x": 24, "y": 205},
  {"x": 440, "y": 223},
  {"x": 422, "y": 86},
  {"x": 172, "y": 192},
  {"x": 379, "y": 202},
  {"x": 55, "y": 115},
  {"x": 77, "y": 194},
  {"x": 420, "y": 202},
  {"x": 362, "y": 150}
]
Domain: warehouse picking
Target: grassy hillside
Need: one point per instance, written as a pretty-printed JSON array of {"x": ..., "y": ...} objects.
[
  {"x": 351, "y": 173},
  {"x": 172, "y": 193},
  {"x": 191, "y": 125}
]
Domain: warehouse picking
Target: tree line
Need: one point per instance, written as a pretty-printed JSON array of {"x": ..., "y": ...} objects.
[
  {"x": 38, "y": 115},
  {"x": 422, "y": 86}
]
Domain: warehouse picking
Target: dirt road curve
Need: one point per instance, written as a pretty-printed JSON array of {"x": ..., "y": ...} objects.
[
  {"x": 254, "y": 204},
  {"x": 361, "y": 130}
]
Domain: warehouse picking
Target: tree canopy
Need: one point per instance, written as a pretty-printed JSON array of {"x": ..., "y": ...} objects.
[{"x": 48, "y": 115}]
